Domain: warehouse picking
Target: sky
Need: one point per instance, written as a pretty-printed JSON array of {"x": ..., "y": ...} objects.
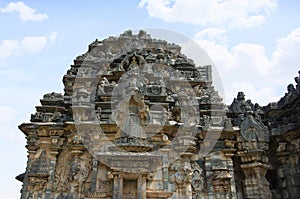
[{"x": 253, "y": 44}]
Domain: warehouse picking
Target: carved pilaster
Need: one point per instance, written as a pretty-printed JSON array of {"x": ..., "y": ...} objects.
[
  {"x": 255, "y": 166},
  {"x": 198, "y": 182},
  {"x": 183, "y": 177},
  {"x": 229, "y": 153},
  {"x": 252, "y": 143},
  {"x": 141, "y": 186},
  {"x": 255, "y": 183}
]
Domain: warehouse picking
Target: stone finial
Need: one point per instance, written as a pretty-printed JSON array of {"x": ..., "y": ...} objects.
[{"x": 239, "y": 105}]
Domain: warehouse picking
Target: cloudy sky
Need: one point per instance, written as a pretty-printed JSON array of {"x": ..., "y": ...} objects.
[{"x": 254, "y": 44}]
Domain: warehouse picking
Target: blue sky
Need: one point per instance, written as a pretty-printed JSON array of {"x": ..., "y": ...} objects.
[{"x": 254, "y": 44}]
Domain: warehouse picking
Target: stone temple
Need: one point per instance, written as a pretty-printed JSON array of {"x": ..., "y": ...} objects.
[{"x": 138, "y": 119}]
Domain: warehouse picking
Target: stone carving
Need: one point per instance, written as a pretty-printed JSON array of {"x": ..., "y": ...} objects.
[
  {"x": 183, "y": 174},
  {"x": 198, "y": 179},
  {"x": 71, "y": 72},
  {"x": 155, "y": 89},
  {"x": 101, "y": 89},
  {"x": 40, "y": 166},
  {"x": 81, "y": 96},
  {"x": 149, "y": 140},
  {"x": 297, "y": 80},
  {"x": 210, "y": 122},
  {"x": 53, "y": 96},
  {"x": 254, "y": 133},
  {"x": 227, "y": 124},
  {"x": 48, "y": 117},
  {"x": 61, "y": 183},
  {"x": 131, "y": 115},
  {"x": 239, "y": 105},
  {"x": 85, "y": 73},
  {"x": 209, "y": 95},
  {"x": 290, "y": 96},
  {"x": 71, "y": 175}
]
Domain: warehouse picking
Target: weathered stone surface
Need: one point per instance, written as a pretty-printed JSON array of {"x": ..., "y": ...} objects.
[{"x": 138, "y": 119}]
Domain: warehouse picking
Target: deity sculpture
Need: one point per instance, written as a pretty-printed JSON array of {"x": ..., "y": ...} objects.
[{"x": 131, "y": 115}]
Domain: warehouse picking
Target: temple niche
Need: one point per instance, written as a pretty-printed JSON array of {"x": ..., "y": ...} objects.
[{"x": 139, "y": 119}]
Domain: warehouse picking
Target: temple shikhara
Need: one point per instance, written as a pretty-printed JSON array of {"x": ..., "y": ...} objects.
[{"x": 139, "y": 119}]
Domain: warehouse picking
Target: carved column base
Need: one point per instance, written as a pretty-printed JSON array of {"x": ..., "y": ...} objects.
[{"x": 256, "y": 185}]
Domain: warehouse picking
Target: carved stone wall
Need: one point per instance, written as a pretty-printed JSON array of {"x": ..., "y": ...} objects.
[
  {"x": 283, "y": 118},
  {"x": 138, "y": 119}
]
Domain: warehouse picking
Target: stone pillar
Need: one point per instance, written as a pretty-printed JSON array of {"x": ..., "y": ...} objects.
[
  {"x": 180, "y": 194},
  {"x": 229, "y": 154},
  {"x": 165, "y": 173},
  {"x": 188, "y": 191},
  {"x": 51, "y": 179},
  {"x": 32, "y": 147},
  {"x": 253, "y": 142},
  {"x": 116, "y": 187},
  {"x": 144, "y": 187},
  {"x": 54, "y": 148},
  {"x": 289, "y": 170},
  {"x": 186, "y": 149},
  {"x": 76, "y": 151},
  {"x": 25, "y": 190},
  {"x": 94, "y": 175},
  {"x": 141, "y": 187},
  {"x": 120, "y": 186},
  {"x": 255, "y": 183}
]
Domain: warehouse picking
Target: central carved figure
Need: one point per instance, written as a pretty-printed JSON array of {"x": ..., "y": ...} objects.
[{"x": 131, "y": 115}]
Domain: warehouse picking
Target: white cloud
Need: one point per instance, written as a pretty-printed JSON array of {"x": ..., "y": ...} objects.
[
  {"x": 287, "y": 52},
  {"x": 28, "y": 44},
  {"x": 12, "y": 140},
  {"x": 225, "y": 13},
  {"x": 33, "y": 44},
  {"x": 246, "y": 67},
  {"x": 8, "y": 119},
  {"x": 7, "y": 114},
  {"x": 8, "y": 47},
  {"x": 212, "y": 34},
  {"x": 252, "y": 56},
  {"x": 26, "y": 13},
  {"x": 53, "y": 37}
]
